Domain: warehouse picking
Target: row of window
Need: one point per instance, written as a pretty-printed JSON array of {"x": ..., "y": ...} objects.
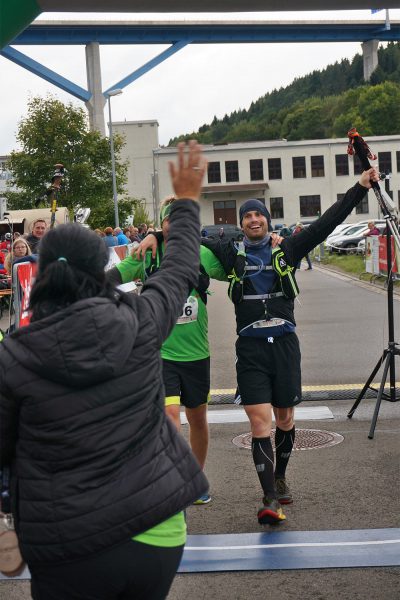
[
  {"x": 298, "y": 166},
  {"x": 310, "y": 206}
]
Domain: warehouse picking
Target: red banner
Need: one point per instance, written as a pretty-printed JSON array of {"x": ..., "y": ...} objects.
[
  {"x": 383, "y": 256},
  {"x": 25, "y": 273}
]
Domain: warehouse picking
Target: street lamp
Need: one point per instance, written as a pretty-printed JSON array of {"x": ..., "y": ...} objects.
[{"x": 115, "y": 92}]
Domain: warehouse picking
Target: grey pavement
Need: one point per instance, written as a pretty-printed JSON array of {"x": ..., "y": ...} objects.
[{"x": 352, "y": 485}]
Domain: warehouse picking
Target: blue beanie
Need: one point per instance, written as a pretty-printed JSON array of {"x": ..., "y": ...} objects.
[{"x": 254, "y": 204}]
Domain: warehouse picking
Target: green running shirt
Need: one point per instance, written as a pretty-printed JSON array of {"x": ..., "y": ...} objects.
[
  {"x": 168, "y": 534},
  {"x": 188, "y": 341}
]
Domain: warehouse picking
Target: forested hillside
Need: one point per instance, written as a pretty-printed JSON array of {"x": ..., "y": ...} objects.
[{"x": 323, "y": 104}]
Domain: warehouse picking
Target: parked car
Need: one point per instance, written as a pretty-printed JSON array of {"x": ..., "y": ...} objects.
[
  {"x": 232, "y": 232},
  {"x": 343, "y": 227},
  {"x": 350, "y": 238}
]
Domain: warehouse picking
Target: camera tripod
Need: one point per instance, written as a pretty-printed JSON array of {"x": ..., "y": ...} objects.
[
  {"x": 357, "y": 145},
  {"x": 388, "y": 357}
]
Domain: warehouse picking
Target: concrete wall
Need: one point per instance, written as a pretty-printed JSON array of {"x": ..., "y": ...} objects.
[{"x": 141, "y": 138}]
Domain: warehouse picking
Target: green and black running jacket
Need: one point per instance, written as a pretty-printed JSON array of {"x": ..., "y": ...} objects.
[{"x": 293, "y": 250}]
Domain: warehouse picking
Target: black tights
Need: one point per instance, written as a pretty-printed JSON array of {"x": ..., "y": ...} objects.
[{"x": 131, "y": 571}]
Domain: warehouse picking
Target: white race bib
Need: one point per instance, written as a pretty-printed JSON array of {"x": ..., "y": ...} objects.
[{"x": 189, "y": 312}]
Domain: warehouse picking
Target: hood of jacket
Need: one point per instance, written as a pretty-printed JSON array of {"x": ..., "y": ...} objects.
[{"x": 88, "y": 342}]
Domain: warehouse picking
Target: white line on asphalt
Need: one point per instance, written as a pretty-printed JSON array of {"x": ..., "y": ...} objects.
[
  {"x": 238, "y": 415},
  {"x": 304, "y": 545}
]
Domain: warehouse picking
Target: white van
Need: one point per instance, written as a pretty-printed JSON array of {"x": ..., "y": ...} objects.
[{"x": 22, "y": 220}]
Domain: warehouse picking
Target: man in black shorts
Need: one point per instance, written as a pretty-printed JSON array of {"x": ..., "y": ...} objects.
[{"x": 263, "y": 288}]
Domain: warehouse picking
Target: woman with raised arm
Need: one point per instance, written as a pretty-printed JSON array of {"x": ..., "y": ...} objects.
[{"x": 100, "y": 477}]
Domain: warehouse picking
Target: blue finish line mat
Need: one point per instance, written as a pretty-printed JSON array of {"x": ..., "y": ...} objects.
[
  {"x": 291, "y": 550},
  {"x": 286, "y": 550}
]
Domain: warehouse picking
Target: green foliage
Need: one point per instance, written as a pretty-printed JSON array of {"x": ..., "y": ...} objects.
[
  {"x": 140, "y": 214},
  {"x": 53, "y": 132},
  {"x": 323, "y": 104}
]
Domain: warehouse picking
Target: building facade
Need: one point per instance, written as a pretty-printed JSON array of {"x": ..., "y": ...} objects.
[
  {"x": 296, "y": 180},
  {"x": 141, "y": 138},
  {"x": 5, "y": 174}
]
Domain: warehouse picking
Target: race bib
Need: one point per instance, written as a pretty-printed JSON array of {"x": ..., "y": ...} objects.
[{"x": 189, "y": 312}]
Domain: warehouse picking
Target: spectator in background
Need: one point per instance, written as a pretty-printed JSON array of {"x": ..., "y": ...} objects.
[
  {"x": 5, "y": 245},
  {"x": 285, "y": 231},
  {"x": 20, "y": 248},
  {"x": 372, "y": 229},
  {"x": 142, "y": 230},
  {"x": 121, "y": 237},
  {"x": 3, "y": 270},
  {"x": 299, "y": 227},
  {"x": 39, "y": 228},
  {"x": 221, "y": 233},
  {"x": 16, "y": 235},
  {"x": 100, "y": 233},
  {"x": 134, "y": 234},
  {"x": 109, "y": 239}
]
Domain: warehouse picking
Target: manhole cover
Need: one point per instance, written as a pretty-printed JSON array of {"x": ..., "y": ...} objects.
[{"x": 306, "y": 439}]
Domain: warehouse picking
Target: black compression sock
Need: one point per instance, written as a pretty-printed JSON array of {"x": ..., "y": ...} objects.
[
  {"x": 284, "y": 442},
  {"x": 263, "y": 456}
]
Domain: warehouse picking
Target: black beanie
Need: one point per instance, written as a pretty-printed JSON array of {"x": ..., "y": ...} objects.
[{"x": 255, "y": 204}]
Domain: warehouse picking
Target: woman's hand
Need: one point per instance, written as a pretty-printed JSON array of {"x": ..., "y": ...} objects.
[{"x": 187, "y": 175}]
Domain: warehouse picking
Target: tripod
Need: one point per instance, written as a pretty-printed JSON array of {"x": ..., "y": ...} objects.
[{"x": 388, "y": 357}]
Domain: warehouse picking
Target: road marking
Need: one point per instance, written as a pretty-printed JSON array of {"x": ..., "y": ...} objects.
[
  {"x": 238, "y": 415},
  {"x": 305, "y": 545},
  {"x": 307, "y": 388}
]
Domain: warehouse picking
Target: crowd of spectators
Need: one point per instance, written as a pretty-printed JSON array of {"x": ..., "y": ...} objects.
[{"x": 120, "y": 237}]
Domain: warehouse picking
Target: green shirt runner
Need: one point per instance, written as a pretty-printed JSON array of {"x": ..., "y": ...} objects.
[{"x": 188, "y": 340}]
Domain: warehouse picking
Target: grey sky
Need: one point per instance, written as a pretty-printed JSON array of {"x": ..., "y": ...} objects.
[{"x": 189, "y": 88}]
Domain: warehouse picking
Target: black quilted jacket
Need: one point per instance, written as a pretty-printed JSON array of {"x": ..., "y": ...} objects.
[{"x": 94, "y": 459}]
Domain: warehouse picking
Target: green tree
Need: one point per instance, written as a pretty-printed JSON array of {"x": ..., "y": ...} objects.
[
  {"x": 140, "y": 214},
  {"x": 53, "y": 132}
]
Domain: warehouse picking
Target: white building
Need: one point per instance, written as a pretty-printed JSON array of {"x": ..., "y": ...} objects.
[
  {"x": 5, "y": 175},
  {"x": 296, "y": 180},
  {"x": 141, "y": 138}
]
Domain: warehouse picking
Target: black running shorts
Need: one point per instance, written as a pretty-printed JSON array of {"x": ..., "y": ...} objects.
[
  {"x": 187, "y": 383},
  {"x": 269, "y": 372}
]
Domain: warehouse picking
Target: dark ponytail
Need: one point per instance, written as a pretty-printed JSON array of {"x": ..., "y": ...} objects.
[{"x": 71, "y": 268}]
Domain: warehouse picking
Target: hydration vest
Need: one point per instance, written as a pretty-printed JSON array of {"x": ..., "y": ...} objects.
[
  {"x": 203, "y": 282},
  {"x": 287, "y": 285}
]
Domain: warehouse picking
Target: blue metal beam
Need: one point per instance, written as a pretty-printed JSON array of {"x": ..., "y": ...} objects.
[
  {"x": 34, "y": 67},
  {"x": 128, "y": 33},
  {"x": 148, "y": 66}
]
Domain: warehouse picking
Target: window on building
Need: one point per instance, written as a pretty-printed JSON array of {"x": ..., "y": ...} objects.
[
  {"x": 385, "y": 162},
  {"x": 256, "y": 169},
  {"x": 357, "y": 165},
  {"x": 317, "y": 166},
  {"x": 214, "y": 172},
  {"x": 398, "y": 160},
  {"x": 232, "y": 170},
  {"x": 362, "y": 207},
  {"x": 274, "y": 168},
  {"x": 299, "y": 166},
  {"x": 310, "y": 206},
  {"x": 276, "y": 205},
  {"x": 342, "y": 164}
]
